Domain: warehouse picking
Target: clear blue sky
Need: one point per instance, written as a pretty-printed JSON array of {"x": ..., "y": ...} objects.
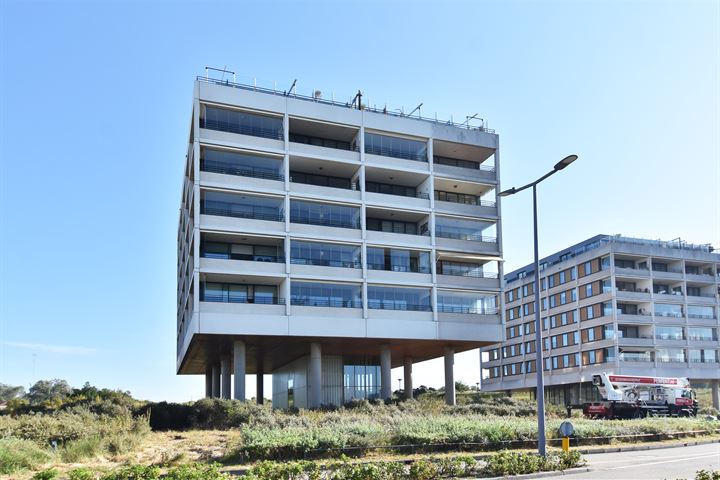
[{"x": 95, "y": 100}]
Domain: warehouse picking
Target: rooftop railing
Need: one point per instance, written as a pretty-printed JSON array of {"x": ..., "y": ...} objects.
[{"x": 227, "y": 83}]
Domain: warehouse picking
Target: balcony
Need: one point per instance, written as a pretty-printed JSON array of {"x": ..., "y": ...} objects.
[
  {"x": 702, "y": 299},
  {"x": 463, "y": 162},
  {"x": 242, "y": 128},
  {"x": 669, "y": 274},
  {"x": 636, "y": 296},
  {"x": 395, "y": 147},
  {"x": 632, "y": 272},
  {"x": 640, "y": 340},
  {"x": 396, "y": 227},
  {"x": 400, "y": 189},
  {"x": 240, "y": 169},
  {"x": 326, "y": 302},
  {"x": 231, "y": 210}
]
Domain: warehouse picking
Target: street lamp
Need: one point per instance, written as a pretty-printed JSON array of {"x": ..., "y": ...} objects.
[{"x": 540, "y": 392}]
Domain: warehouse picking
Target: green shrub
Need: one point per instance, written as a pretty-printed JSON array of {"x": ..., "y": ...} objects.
[
  {"x": 518, "y": 463},
  {"x": 48, "y": 474},
  {"x": 196, "y": 471},
  {"x": 17, "y": 454},
  {"x": 707, "y": 475},
  {"x": 133, "y": 472},
  {"x": 81, "y": 473},
  {"x": 76, "y": 450}
]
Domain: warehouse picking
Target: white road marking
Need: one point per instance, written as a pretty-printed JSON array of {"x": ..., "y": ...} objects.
[{"x": 665, "y": 461}]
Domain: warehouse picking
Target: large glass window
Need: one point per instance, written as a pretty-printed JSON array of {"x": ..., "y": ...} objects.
[
  {"x": 465, "y": 229},
  {"x": 467, "y": 199},
  {"x": 324, "y": 214},
  {"x": 391, "y": 226},
  {"x": 339, "y": 295},
  {"x": 702, "y": 333},
  {"x": 669, "y": 333},
  {"x": 668, "y": 310},
  {"x": 239, "y": 293},
  {"x": 395, "y": 147},
  {"x": 392, "y": 189},
  {"x": 697, "y": 311},
  {"x": 361, "y": 382},
  {"x": 398, "y": 298},
  {"x": 242, "y": 206},
  {"x": 670, "y": 355},
  {"x": 464, "y": 269},
  {"x": 320, "y": 180},
  {"x": 238, "y": 251},
  {"x": 325, "y": 254},
  {"x": 466, "y": 302},
  {"x": 398, "y": 260},
  {"x": 241, "y": 122},
  {"x": 702, "y": 356},
  {"x": 240, "y": 163}
]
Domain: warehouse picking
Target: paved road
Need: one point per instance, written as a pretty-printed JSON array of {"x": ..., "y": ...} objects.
[{"x": 666, "y": 463}]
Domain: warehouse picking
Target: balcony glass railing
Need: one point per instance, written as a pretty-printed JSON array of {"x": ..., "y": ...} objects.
[
  {"x": 322, "y": 142},
  {"x": 476, "y": 237},
  {"x": 240, "y": 170},
  {"x": 462, "y": 198},
  {"x": 395, "y": 147},
  {"x": 455, "y": 162},
  {"x": 325, "y": 302},
  {"x": 240, "y": 211},
  {"x": 445, "y": 308},
  {"x": 240, "y": 122}
]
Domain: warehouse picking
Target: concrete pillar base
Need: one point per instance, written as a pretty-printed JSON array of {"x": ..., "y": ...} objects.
[
  {"x": 225, "y": 377},
  {"x": 208, "y": 383},
  {"x": 385, "y": 373},
  {"x": 449, "y": 376},
  {"x": 407, "y": 373},
  {"x": 715, "y": 388},
  {"x": 315, "y": 391},
  {"x": 239, "y": 370},
  {"x": 216, "y": 381}
]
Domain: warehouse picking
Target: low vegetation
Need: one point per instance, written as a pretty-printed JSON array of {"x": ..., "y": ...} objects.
[{"x": 58, "y": 426}]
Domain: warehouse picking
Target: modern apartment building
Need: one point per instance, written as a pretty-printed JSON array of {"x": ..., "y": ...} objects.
[
  {"x": 615, "y": 304},
  {"x": 326, "y": 243}
]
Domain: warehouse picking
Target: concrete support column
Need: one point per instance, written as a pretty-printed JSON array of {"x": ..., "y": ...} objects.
[
  {"x": 216, "y": 381},
  {"x": 449, "y": 376},
  {"x": 208, "y": 383},
  {"x": 315, "y": 391},
  {"x": 715, "y": 388},
  {"x": 408, "y": 387},
  {"x": 225, "y": 377},
  {"x": 259, "y": 373},
  {"x": 239, "y": 370},
  {"x": 385, "y": 372}
]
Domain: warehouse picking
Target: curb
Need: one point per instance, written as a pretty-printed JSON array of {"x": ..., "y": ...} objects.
[
  {"x": 635, "y": 448},
  {"x": 553, "y": 473}
]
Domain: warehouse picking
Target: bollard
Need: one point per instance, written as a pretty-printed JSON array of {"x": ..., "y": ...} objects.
[
  {"x": 566, "y": 429},
  {"x": 566, "y": 444}
]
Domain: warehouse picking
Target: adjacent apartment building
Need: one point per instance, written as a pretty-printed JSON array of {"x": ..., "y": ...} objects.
[
  {"x": 615, "y": 304},
  {"x": 325, "y": 243}
]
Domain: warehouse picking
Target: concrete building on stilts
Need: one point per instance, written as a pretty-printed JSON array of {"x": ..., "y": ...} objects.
[{"x": 327, "y": 242}]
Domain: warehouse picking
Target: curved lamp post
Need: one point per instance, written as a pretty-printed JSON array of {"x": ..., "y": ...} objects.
[{"x": 540, "y": 392}]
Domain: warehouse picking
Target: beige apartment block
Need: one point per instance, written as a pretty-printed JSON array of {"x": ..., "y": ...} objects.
[{"x": 611, "y": 304}]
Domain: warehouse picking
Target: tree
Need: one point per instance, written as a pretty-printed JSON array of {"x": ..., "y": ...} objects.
[
  {"x": 49, "y": 391},
  {"x": 462, "y": 387},
  {"x": 10, "y": 392}
]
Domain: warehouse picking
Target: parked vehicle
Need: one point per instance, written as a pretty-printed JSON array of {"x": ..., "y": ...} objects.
[{"x": 626, "y": 396}]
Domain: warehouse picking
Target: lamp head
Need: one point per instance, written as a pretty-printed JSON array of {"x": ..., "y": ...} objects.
[
  {"x": 507, "y": 193},
  {"x": 565, "y": 162}
]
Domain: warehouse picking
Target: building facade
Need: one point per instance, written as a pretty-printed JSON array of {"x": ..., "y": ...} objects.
[
  {"x": 325, "y": 244},
  {"x": 615, "y": 304}
]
